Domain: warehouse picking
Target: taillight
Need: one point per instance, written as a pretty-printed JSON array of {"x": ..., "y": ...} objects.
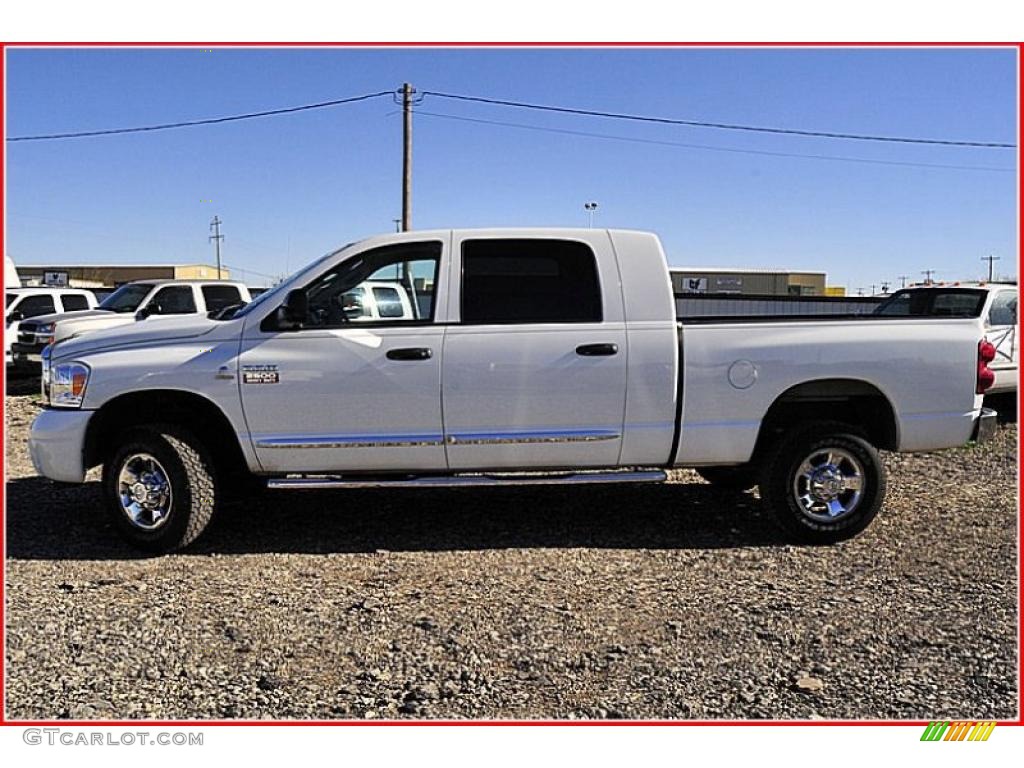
[{"x": 986, "y": 354}]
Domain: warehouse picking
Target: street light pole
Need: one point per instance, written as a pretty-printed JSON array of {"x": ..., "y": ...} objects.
[{"x": 590, "y": 208}]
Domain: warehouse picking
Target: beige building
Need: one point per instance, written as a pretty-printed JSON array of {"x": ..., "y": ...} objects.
[
  {"x": 113, "y": 275},
  {"x": 761, "y": 282}
]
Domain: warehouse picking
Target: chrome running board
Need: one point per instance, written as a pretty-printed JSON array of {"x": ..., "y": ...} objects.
[{"x": 449, "y": 481}]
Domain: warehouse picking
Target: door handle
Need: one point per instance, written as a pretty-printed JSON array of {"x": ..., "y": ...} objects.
[
  {"x": 410, "y": 353},
  {"x": 596, "y": 350}
]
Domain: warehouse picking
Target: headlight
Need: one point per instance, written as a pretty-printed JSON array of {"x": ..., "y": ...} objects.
[
  {"x": 67, "y": 384},
  {"x": 46, "y": 329}
]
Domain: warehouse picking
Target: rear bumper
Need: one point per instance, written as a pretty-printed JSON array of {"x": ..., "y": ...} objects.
[
  {"x": 56, "y": 444},
  {"x": 984, "y": 425}
]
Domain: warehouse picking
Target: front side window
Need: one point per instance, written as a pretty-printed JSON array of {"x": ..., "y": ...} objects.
[
  {"x": 34, "y": 306},
  {"x": 174, "y": 300},
  {"x": 1004, "y": 309},
  {"x": 400, "y": 279},
  {"x": 10, "y": 298},
  {"x": 529, "y": 281}
]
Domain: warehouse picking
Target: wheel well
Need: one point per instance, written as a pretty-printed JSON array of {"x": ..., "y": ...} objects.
[
  {"x": 850, "y": 401},
  {"x": 164, "y": 406}
]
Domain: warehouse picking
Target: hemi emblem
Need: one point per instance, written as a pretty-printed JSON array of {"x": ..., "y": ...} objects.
[{"x": 260, "y": 374}]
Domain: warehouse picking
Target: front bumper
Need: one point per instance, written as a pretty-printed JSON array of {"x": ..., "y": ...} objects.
[
  {"x": 26, "y": 354},
  {"x": 56, "y": 444},
  {"x": 984, "y": 425}
]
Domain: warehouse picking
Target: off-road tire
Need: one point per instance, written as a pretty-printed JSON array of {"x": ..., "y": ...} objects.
[{"x": 192, "y": 478}]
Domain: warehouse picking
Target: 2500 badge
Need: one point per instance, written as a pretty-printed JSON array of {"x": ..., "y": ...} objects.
[{"x": 260, "y": 374}]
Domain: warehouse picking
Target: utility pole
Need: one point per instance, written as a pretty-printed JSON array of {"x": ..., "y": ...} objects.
[
  {"x": 216, "y": 237},
  {"x": 407, "y": 92},
  {"x": 903, "y": 280},
  {"x": 928, "y": 275},
  {"x": 872, "y": 289},
  {"x": 990, "y": 259}
]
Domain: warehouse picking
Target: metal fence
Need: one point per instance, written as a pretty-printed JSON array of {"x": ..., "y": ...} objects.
[{"x": 693, "y": 305}]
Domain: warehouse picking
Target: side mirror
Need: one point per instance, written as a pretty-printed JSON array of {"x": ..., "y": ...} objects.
[
  {"x": 15, "y": 317},
  {"x": 294, "y": 312},
  {"x": 153, "y": 308}
]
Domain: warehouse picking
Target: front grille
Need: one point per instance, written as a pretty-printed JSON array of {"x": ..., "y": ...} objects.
[{"x": 27, "y": 334}]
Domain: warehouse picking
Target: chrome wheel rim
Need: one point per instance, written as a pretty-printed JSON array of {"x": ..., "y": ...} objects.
[
  {"x": 144, "y": 491},
  {"x": 829, "y": 484}
]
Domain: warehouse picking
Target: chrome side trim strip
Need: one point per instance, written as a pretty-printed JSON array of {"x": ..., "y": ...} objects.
[
  {"x": 440, "y": 481},
  {"x": 354, "y": 441},
  {"x": 522, "y": 438},
  {"x": 415, "y": 441}
]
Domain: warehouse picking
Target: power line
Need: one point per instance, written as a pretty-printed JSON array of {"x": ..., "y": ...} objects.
[
  {"x": 206, "y": 121},
  {"x": 721, "y": 126},
  {"x": 712, "y": 148}
]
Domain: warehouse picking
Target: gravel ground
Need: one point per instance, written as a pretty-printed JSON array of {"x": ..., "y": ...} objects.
[{"x": 655, "y": 601}]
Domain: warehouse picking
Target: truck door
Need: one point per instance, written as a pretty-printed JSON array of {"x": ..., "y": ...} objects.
[
  {"x": 534, "y": 362},
  {"x": 351, "y": 390}
]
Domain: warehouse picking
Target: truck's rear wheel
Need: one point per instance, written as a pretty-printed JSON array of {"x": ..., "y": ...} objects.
[
  {"x": 823, "y": 483},
  {"x": 160, "y": 488},
  {"x": 739, "y": 478}
]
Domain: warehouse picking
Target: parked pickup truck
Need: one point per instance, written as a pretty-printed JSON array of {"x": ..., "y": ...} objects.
[
  {"x": 994, "y": 303},
  {"x": 130, "y": 302},
  {"x": 528, "y": 351},
  {"x": 24, "y": 303}
]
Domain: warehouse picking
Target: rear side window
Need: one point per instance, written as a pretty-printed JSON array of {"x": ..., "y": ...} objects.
[
  {"x": 529, "y": 281},
  {"x": 33, "y": 306},
  {"x": 73, "y": 302},
  {"x": 174, "y": 300},
  {"x": 1004, "y": 309},
  {"x": 220, "y": 296}
]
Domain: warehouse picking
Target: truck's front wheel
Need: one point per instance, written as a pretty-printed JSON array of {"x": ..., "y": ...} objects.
[
  {"x": 823, "y": 483},
  {"x": 160, "y": 488}
]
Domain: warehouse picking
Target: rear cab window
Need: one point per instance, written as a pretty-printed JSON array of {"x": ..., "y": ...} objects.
[
  {"x": 525, "y": 281},
  {"x": 933, "y": 302}
]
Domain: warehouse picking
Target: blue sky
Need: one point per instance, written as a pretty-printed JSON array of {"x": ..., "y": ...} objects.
[{"x": 292, "y": 187}]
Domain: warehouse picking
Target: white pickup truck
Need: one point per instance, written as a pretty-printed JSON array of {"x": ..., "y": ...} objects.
[
  {"x": 528, "y": 351},
  {"x": 994, "y": 303},
  {"x": 23, "y": 303},
  {"x": 129, "y": 303}
]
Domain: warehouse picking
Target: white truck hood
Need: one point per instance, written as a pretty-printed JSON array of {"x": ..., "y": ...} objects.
[
  {"x": 139, "y": 332},
  {"x": 82, "y": 314}
]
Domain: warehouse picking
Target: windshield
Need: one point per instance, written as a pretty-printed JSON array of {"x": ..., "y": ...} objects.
[
  {"x": 285, "y": 285},
  {"x": 126, "y": 298},
  {"x": 10, "y": 298}
]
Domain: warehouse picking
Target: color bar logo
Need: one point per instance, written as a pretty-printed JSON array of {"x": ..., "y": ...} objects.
[{"x": 958, "y": 730}]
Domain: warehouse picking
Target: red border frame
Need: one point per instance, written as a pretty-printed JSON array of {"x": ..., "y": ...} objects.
[{"x": 498, "y": 44}]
